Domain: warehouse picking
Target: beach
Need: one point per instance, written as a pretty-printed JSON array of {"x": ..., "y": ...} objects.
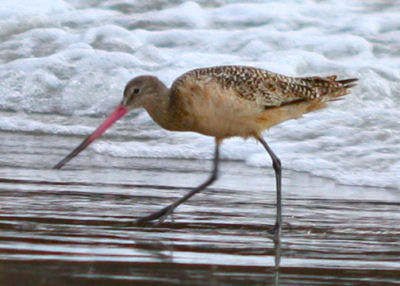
[
  {"x": 77, "y": 225},
  {"x": 64, "y": 65}
]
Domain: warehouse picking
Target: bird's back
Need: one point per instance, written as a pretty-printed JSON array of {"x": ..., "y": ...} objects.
[{"x": 242, "y": 101}]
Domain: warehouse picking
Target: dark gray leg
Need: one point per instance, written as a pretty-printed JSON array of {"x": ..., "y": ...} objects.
[
  {"x": 163, "y": 213},
  {"x": 276, "y": 163}
]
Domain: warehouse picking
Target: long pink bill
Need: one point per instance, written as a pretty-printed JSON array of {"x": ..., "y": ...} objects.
[{"x": 119, "y": 112}]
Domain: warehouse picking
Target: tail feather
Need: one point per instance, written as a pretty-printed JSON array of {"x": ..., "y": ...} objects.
[
  {"x": 315, "y": 93},
  {"x": 330, "y": 89},
  {"x": 346, "y": 81},
  {"x": 342, "y": 87}
]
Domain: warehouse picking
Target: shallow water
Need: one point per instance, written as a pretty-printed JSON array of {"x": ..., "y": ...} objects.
[{"x": 76, "y": 225}]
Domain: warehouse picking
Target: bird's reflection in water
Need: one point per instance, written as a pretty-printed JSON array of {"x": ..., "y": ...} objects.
[{"x": 167, "y": 254}]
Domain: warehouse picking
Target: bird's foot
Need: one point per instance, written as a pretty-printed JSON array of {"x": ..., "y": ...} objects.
[{"x": 161, "y": 215}]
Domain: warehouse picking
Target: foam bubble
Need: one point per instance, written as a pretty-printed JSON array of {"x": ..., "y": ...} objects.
[{"x": 21, "y": 123}]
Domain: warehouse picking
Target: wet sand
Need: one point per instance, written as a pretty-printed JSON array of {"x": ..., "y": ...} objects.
[{"x": 76, "y": 226}]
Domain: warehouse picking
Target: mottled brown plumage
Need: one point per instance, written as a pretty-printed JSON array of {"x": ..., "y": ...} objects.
[
  {"x": 267, "y": 88},
  {"x": 228, "y": 101}
]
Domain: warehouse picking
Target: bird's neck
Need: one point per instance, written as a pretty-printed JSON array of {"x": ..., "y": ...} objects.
[{"x": 158, "y": 107}]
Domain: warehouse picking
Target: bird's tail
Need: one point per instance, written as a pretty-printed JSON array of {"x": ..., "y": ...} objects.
[{"x": 330, "y": 89}]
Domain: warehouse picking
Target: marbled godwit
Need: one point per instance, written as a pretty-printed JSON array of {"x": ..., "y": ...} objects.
[{"x": 222, "y": 102}]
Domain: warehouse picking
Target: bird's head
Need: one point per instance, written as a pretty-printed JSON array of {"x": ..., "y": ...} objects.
[{"x": 139, "y": 92}]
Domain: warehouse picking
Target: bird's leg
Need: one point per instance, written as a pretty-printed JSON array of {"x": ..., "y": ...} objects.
[
  {"x": 164, "y": 212},
  {"x": 276, "y": 163}
]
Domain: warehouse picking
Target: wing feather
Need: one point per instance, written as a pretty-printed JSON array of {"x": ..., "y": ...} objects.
[{"x": 270, "y": 89}]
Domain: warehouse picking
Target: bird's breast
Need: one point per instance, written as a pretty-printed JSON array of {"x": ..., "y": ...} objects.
[{"x": 211, "y": 109}]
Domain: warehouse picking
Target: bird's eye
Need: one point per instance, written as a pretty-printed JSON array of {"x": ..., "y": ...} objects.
[{"x": 136, "y": 91}]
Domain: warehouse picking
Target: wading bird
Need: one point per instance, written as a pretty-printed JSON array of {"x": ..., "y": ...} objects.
[{"x": 223, "y": 102}]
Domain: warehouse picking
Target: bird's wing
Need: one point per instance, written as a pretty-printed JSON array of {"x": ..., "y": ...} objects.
[{"x": 270, "y": 89}]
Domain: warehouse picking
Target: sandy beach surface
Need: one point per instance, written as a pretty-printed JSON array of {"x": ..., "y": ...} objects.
[{"x": 76, "y": 226}]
